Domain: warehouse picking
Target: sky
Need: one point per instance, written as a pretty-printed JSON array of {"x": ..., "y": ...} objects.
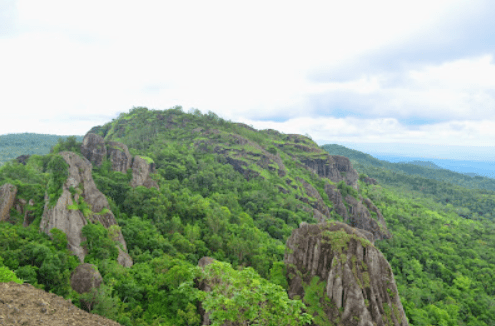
[{"x": 411, "y": 78}]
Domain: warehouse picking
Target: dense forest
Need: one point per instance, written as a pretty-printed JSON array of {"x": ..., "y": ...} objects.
[
  {"x": 15, "y": 145},
  {"x": 442, "y": 251}
]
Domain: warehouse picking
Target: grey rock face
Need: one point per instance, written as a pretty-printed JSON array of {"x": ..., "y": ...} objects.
[
  {"x": 335, "y": 168},
  {"x": 84, "y": 278},
  {"x": 359, "y": 217},
  {"x": 7, "y": 198},
  {"x": 72, "y": 221},
  {"x": 353, "y": 274},
  {"x": 141, "y": 173},
  {"x": 119, "y": 156},
  {"x": 94, "y": 149},
  {"x": 338, "y": 204},
  {"x": 319, "y": 205}
]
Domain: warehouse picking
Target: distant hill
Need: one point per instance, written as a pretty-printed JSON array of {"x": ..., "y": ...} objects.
[
  {"x": 15, "y": 145},
  {"x": 426, "y": 164},
  {"x": 365, "y": 162}
]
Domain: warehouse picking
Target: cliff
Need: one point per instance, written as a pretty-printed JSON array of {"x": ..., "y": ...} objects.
[
  {"x": 341, "y": 277},
  {"x": 80, "y": 187}
]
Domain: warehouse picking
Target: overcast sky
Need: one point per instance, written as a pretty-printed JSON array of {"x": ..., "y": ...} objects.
[{"x": 397, "y": 77}]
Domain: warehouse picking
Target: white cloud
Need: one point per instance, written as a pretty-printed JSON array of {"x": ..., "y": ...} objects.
[{"x": 246, "y": 62}]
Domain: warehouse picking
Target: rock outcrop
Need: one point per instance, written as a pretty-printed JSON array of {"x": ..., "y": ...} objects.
[
  {"x": 333, "y": 167},
  {"x": 336, "y": 198},
  {"x": 96, "y": 151},
  {"x": 93, "y": 148},
  {"x": 119, "y": 156},
  {"x": 359, "y": 217},
  {"x": 71, "y": 221},
  {"x": 141, "y": 171},
  {"x": 321, "y": 211},
  {"x": 85, "y": 277},
  {"x": 341, "y": 277},
  {"x": 7, "y": 198}
]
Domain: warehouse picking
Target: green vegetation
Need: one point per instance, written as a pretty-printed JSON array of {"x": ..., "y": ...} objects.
[
  {"x": 442, "y": 251},
  {"x": 15, "y": 145}
]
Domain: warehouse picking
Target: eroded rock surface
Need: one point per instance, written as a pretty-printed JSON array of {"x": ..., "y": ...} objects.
[
  {"x": 141, "y": 170},
  {"x": 321, "y": 212},
  {"x": 333, "y": 167},
  {"x": 359, "y": 217},
  {"x": 71, "y": 221},
  {"x": 7, "y": 199},
  {"x": 94, "y": 149},
  {"x": 119, "y": 156},
  {"x": 336, "y": 261}
]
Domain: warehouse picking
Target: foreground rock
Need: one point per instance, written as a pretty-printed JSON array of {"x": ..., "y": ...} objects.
[
  {"x": 71, "y": 221},
  {"x": 7, "y": 198},
  {"x": 335, "y": 261},
  {"x": 26, "y": 305}
]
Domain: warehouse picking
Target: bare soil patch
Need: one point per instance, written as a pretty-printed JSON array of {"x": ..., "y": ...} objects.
[{"x": 23, "y": 304}]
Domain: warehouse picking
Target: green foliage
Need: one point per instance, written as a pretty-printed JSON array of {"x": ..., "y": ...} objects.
[
  {"x": 6, "y": 275},
  {"x": 59, "y": 238},
  {"x": 100, "y": 246},
  {"x": 244, "y": 297},
  {"x": 317, "y": 301},
  {"x": 15, "y": 145},
  {"x": 59, "y": 170},
  {"x": 69, "y": 144}
]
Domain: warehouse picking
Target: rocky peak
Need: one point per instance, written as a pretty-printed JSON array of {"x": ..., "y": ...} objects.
[
  {"x": 94, "y": 149},
  {"x": 7, "y": 199},
  {"x": 71, "y": 221},
  {"x": 119, "y": 156},
  {"x": 341, "y": 277}
]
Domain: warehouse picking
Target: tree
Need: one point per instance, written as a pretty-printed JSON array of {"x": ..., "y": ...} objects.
[{"x": 246, "y": 298}]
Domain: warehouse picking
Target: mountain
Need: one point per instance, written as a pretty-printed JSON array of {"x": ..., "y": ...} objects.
[
  {"x": 15, "y": 145},
  {"x": 426, "y": 170},
  {"x": 223, "y": 222},
  {"x": 426, "y": 164}
]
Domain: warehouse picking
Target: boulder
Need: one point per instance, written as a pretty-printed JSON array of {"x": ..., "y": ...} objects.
[
  {"x": 84, "y": 278},
  {"x": 119, "y": 156},
  {"x": 71, "y": 221},
  {"x": 93, "y": 148},
  {"x": 7, "y": 199},
  {"x": 350, "y": 280},
  {"x": 141, "y": 170}
]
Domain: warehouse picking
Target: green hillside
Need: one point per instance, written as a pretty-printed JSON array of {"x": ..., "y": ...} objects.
[
  {"x": 231, "y": 192},
  {"x": 15, "y": 145}
]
